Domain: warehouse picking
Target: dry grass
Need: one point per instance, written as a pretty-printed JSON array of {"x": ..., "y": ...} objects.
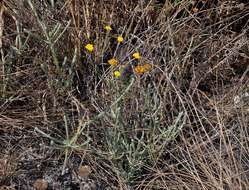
[{"x": 182, "y": 125}]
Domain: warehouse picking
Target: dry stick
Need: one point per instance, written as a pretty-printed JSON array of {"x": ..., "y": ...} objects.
[{"x": 1, "y": 47}]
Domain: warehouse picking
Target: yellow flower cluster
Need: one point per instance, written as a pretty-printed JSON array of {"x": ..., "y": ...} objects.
[
  {"x": 136, "y": 55},
  {"x": 120, "y": 39},
  {"x": 113, "y": 61},
  {"x": 108, "y": 28},
  {"x": 89, "y": 47},
  {"x": 117, "y": 74},
  {"x": 141, "y": 69}
]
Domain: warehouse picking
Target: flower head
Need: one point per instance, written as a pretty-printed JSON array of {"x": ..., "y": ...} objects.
[
  {"x": 147, "y": 67},
  {"x": 112, "y": 61},
  {"x": 117, "y": 74},
  {"x": 139, "y": 69},
  {"x": 89, "y": 47},
  {"x": 120, "y": 39},
  {"x": 136, "y": 55},
  {"x": 108, "y": 28}
]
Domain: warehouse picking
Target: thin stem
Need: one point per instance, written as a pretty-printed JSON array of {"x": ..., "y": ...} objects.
[{"x": 48, "y": 136}]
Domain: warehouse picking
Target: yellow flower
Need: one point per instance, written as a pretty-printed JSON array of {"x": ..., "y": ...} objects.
[
  {"x": 147, "y": 67},
  {"x": 112, "y": 61},
  {"x": 139, "y": 69},
  {"x": 136, "y": 55},
  {"x": 89, "y": 47},
  {"x": 108, "y": 28},
  {"x": 117, "y": 74},
  {"x": 120, "y": 39}
]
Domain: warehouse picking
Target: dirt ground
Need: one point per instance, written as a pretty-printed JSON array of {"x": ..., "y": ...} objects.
[{"x": 200, "y": 56}]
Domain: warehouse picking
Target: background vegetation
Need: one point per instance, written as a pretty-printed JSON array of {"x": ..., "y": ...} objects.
[{"x": 67, "y": 121}]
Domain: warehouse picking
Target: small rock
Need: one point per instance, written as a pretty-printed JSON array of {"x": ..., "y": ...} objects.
[
  {"x": 40, "y": 184},
  {"x": 241, "y": 6},
  {"x": 84, "y": 171}
]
